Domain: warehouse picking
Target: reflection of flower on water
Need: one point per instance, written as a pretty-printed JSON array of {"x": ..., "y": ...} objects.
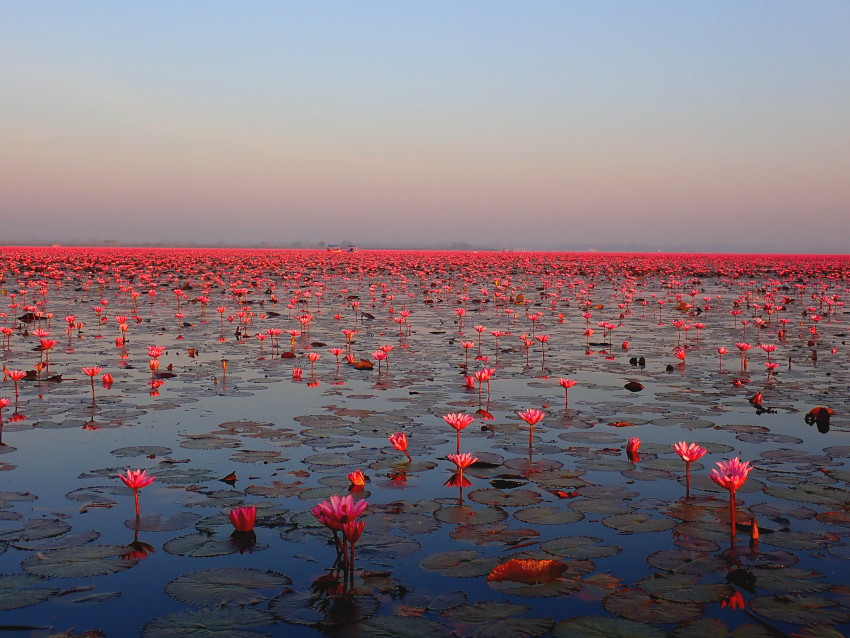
[
  {"x": 243, "y": 518},
  {"x": 244, "y": 542},
  {"x": 138, "y": 549}
]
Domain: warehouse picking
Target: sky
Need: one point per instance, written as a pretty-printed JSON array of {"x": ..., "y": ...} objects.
[{"x": 549, "y": 125}]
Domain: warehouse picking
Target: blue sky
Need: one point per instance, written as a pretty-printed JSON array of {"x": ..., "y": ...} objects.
[{"x": 644, "y": 125}]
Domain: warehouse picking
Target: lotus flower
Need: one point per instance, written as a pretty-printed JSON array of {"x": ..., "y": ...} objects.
[
  {"x": 136, "y": 480},
  {"x": 243, "y": 518}
]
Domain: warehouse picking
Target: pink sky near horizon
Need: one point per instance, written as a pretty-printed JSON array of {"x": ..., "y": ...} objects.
[{"x": 554, "y": 128}]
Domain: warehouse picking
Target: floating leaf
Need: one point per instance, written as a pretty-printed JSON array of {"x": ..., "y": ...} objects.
[
  {"x": 789, "y": 580},
  {"x": 547, "y": 515},
  {"x": 680, "y": 560},
  {"x": 515, "y": 498},
  {"x": 386, "y": 547},
  {"x": 395, "y": 627},
  {"x": 225, "y": 586},
  {"x": 199, "y": 545},
  {"x": 68, "y": 540},
  {"x": 637, "y": 605},
  {"x": 803, "y": 610},
  {"x": 459, "y": 564},
  {"x": 20, "y": 590},
  {"x": 605, "y": 627},
  {"x": 578, "y": 547},
  {"x": 257, "y": 456},
  {"x": 465, "y": 514},
  {"x": 494, "y": 620},
  {"x": 156, "y": 523},
  {"x": 493, "y": 533},
  {"x": 184, "y": 476},
  {"x": 276, "y": 489},
  {"x": 683, "y": 588},
  {"x": 141, "y": 450},
  {"x": 78, "y": 562},
  {"x": 638, "y": 522},
  {"x": 303, "y": 608},
  {"x": 35, "y": 529},
  {"x": 714, "y": 628},
  {"x": 225, "y": 622}
]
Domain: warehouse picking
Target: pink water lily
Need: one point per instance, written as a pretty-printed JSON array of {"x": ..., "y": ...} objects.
[
  {"x": 243, "y": 518},
  {"x": 136, "y": 480}
]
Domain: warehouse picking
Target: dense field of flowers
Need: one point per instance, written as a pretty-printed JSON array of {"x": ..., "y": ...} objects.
[{"x": 243, "y": 443}]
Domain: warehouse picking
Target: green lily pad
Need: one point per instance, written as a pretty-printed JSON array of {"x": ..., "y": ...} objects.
[
  {"x": 683, "y": 588},
  {"x": 395, "y": 627},
  {"x": 638, "y": 522},
  {"x": 547, "y": 515},
  {"x": 468, "y": 515},
  {"x": 224, "y": 622},
  {"x": 199, "y": 545},
  {"x": 277, "y": 489},
  {"x": 637, "y": 605},
  {"x": 493, "y": 533},
  {"x": 789, "y": 580},
  {"x": 514, "y": 498},
  {"x": 36, "y": 529},
  {"x": 714, "y": 628},
  {"x": 20, "y": 590},
  {"x": 78, "y": 562},
  {"x": 459, "y": 564},
  {"x": 491, "y": 619},
  {"x": 579, "y": 547},
  {"x": 141, "y": 450},
  {"x": 605, "y": 627},
  {"x": 304, "y": 608},
  {"x": 68, "y": 540},
  {"x": 225, "y": 586},
  {"x": 803, "y": 610},
  {"x": 156, "y": 523}
]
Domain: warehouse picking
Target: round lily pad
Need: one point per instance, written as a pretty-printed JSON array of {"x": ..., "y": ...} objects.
[
  {"x": 304, "y": 608},
  {"x": 225, "y": 586},
  {"x": 605, "y": 627},
  {"x": 78, "y": 562},
  {"x": 22, "y": 590},
  {"x": 224, "y": 622},
  {"x": 634, "y": 604}
]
